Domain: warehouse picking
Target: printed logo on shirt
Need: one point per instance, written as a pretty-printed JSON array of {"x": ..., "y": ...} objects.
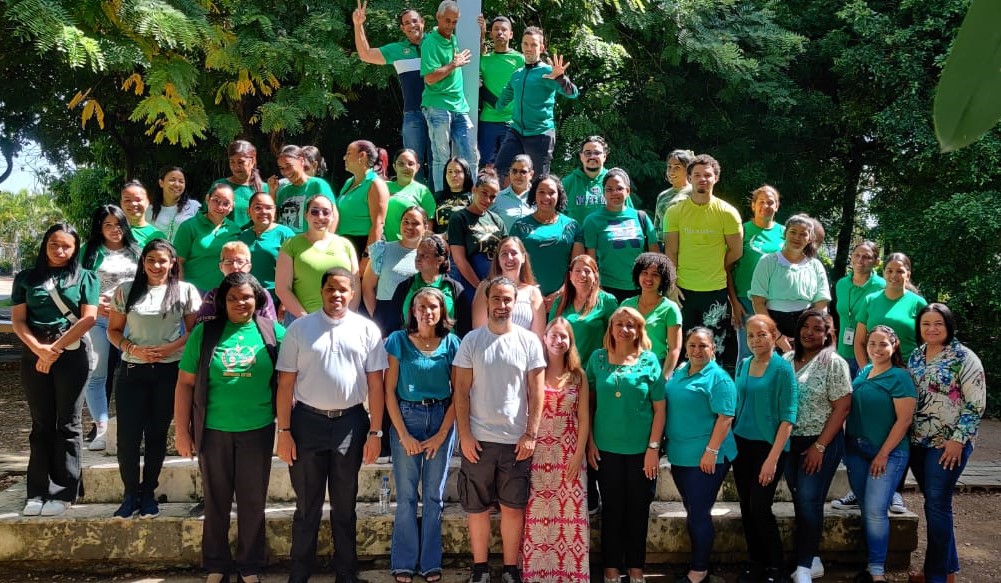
[
  {"x": 238, "y": 360},
  {"x": 624, "y": 232}
]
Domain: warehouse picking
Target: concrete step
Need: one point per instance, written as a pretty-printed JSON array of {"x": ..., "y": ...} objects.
[
  {"x": 180, "y": 481},
  {"x": 87, "y": 536}
]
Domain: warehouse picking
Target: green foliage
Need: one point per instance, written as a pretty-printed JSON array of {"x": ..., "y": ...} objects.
[
  {"x": 24, "y": 217},
  {"x": 968, "y": 102}
]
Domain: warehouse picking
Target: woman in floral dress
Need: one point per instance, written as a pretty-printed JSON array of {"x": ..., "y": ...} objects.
[{"x": 555, "y": 547}]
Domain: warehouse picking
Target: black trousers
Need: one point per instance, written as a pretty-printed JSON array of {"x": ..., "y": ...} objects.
[
  {"x": 55, "y": 403},
  {"x": 626, "y": 494},
  {"x": 329, "y": 455},
  {"x": 761, "y": 531},
  {"x": 145, "y": 395},
  {"x": 235, "y": 463}
]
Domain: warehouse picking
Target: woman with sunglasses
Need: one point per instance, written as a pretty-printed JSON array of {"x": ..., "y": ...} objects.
[
  {"x": 200, "y": 239},
  {"x": 304, "y": 259}
]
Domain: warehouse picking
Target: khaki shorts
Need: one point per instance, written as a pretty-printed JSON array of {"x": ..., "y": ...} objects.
[{"x": 497, "y": 477}]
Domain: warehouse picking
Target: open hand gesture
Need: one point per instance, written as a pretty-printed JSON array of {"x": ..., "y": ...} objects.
[
  {"x": 462, "y": 58},
  {"x": 559, "y": 67}
]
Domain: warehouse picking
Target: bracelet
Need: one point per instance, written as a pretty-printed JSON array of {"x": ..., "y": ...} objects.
[
  {"x": 819, "y": 446},
  {"x": 530, "y": 436},
  {"x": 712, "y": 451},
  {"x": 284, "y": 429},
  {"x": 122, "y": 343}
]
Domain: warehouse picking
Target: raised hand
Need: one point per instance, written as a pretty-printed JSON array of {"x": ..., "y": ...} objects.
[
  {"x": 462, "y": 58},
  {"x": 560, "y": 67},
  {"x": 358, "y": 16}
]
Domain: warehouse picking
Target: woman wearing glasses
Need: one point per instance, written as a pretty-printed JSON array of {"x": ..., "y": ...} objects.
[
  {"x": 234, "y": 258},
  {"x": 200, "y": 239},
  {"x": 304, "y": 259}
]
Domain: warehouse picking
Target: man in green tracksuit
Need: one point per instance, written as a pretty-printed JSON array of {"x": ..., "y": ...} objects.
[{"x": 532, "y": 91}]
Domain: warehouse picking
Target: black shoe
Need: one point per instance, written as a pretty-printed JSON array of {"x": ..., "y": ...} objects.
[
  {"x": 129, "y": 507},
  {"x": 148, "y": 506},
  {"x": 751, "y": 574},
  {"x": 863, "y": 577}
]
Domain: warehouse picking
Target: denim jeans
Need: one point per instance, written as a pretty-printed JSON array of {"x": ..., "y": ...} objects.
[
  {"x": 874, "y": 495},
  {"x": 415, "y": 137},
  {"x": 853, "y": 367},
  {"x": 938, "y": 485},
  {"x": 489, "y": 135},
  {"x": 449, "y": 132},
  {"x": 409, "y": 471},
  {"x": 97, "y": 396},
  {"x": 809, "y": 492},
  {"x": 698, "y": 493}
]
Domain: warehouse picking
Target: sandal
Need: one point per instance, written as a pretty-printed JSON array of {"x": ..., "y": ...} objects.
[
  {"x": 432, "y": 577},
  {"x": 403, "y": 577}
]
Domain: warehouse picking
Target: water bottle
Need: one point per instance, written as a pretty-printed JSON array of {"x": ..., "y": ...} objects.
[{"x": 384, "y": 496}]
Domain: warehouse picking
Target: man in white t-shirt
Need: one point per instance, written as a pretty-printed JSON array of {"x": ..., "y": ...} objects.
[
  {"x": 499, "y": 384},
  {"x": 330, "y": 361}
]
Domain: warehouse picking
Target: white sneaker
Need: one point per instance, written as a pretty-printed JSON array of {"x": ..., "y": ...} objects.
[
  {"x": 816, "y": 568},
  {"x": 802, "y": 575},
  {"x": 100, "y": 441},
  {"x": 897, "y": 504},
  {"x": 54, "y": 508},
  {"x": 33, "y": 507}
]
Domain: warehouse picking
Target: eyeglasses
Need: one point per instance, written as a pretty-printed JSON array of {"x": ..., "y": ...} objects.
[
  {"x": 522, "y": 171},
  {"x": 320, "y": 212},
  {"x": 221, "y": 203},
  {"x": 237, "y": 263}
]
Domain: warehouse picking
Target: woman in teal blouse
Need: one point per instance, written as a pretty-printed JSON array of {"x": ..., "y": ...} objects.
[
  {"x": 701, "y": 400},
  {"x": 766, "y": 412},
  {"x": 624, "y": 446}
]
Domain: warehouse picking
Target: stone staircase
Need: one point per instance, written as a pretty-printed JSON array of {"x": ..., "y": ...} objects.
[{"x": 87, "y": 537}]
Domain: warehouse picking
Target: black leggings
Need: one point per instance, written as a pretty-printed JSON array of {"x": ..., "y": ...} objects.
[{"x": 145, "y": 395}]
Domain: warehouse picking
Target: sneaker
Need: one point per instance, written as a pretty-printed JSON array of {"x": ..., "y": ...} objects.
[
  {"x": 54, "y": 508},
  {"x": 775, "y": 576},
  {"x": 100, "y": 440},
  {"x": 802, "y": 575},
  {"x": 33, "y": 507},
  {"x": 816, "y": 568},
  {"x": 897, "y": 504},
  {"x": 483, "y": 577},
  {"x": 511, "y": 576},
  {"x": 148, "y": 506},
  {"x": 129, "y": 507},
  {"x": 846, "y": 502}
]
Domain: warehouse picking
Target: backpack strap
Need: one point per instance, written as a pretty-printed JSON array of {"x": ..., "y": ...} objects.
[{"x": 641, "y": 216}]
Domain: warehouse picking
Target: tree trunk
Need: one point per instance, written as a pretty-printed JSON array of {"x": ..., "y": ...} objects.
[{"x": 849, "y": 203}]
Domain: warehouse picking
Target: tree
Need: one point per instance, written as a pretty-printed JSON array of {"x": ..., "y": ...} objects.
[{"x": 24, "y": 217}]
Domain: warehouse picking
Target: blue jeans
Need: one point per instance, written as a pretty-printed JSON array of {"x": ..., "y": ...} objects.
[
  {"x": 489, "y": 135},
  {"x": 698, "y": 493},
  {"x": 415, "y": 137},
  {"x": 409, "y": 471},
  {"x": 874, "y": 495},
  {"x": 743, "y": 350},
  {"x": 809, "y": 492},
  {"x": 853, "y": 367},
  {"x": 449, "y": 132},
  {"x": 95, "y": 391},
  {"x": 938, "y": 485}
]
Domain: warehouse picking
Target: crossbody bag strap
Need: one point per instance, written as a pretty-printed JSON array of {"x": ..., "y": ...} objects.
[{"x": 50, "y": 286}]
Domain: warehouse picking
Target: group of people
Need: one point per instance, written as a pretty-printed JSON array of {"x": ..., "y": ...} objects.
[{"x": 390, "y": 320}]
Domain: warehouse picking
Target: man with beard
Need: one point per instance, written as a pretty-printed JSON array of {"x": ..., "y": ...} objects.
[
  {"x": 330, "y": 361},
  {"x": 405, "y": 57},
  {"x": 584, "y": 188},
  {"x": 499, "y": 384},
  {"x": 704, "y": 239}
]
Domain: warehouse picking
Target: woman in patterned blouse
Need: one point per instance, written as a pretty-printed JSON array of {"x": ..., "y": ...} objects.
[{"x": 952, "y": 394}]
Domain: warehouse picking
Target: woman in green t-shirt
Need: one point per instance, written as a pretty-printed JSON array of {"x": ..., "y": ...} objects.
[
  {"x": 876, "y": 444},
  {"x": 624, "y": 446},
  {"x": 224, "y": 411},
  {"x": 54, "y": 367},
  {"x": 897, "y": 306},
  {"x": 654, "y": 274},
  {"x": 363, "y": 198}
]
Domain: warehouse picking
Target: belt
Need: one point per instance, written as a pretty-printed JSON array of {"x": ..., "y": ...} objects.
[
  {"x": 328, "y": 413},
  {"x": 428, "y": 402}
]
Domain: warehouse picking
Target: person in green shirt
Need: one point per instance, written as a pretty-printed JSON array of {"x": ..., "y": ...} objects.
[
  {"x": 616, "y": 235},
  {"x": 444, "y": 102},
  {"x": 762, "y": 235},
  {"x": 496, "y": 67},
  {"x": 405, "y": 192},
  {"x": 849, "y": 296},
  {"x": 877, "y": 448},
  {"x": 624, "y": 446},
  {"x": 134, "y": 202},
  {"x": 654, "y": 274},
  {"x": 264, "y": 237},
  {"x": 585, "y": 193},
  {"x": 362, "y": 201},
  {"x": 291, "y": 198},
  {"x": 200, "y": 239},
  {"x": 677, "y": 176},
  {"x": 897, "y": 306},
  {"x": 54, "y": 365},
  {"x": 224, "y": 414},
  {"x": 244, "y": 179},
  {"x": 432, "y": 271}
]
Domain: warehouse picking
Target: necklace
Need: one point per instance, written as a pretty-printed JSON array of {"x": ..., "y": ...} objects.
[{"x": 427, "y": 342}]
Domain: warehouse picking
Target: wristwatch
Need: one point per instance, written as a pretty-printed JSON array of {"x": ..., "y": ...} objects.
[
  {"x": 377, "y": 433},
  {"x": 653, "y": 445}
]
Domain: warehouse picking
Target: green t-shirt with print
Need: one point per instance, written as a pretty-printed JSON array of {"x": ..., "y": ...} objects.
[
  {"x": 310, "y": 261},
  {"x": 872, "y": 414},
  {"x": 588, "y": 329},
  {"x": 585, "y": 194},
  {"x": 447, "y": 93},
  {"x": 549, "y": 247},
  {"x": 240, "y": 397},
  {"x": 199, "y": 242},
  {"x": 291, "y": 201},
  {"x": 899, "y": 314},
  {"x": 417, "y": 284},
  {"x": 624, "y": 395},
  {"x": 658, "y": 320},
  {"x": 618, "y": 238},
  {"x": 400, "y": 199},
  {"x": 758, "y": 242},
  {"x": 495, "y": 71},
  {"x": 241, "y": 200}
]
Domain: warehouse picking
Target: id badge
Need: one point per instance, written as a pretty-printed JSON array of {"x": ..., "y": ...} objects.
[{"x": 849, "y": 337}]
